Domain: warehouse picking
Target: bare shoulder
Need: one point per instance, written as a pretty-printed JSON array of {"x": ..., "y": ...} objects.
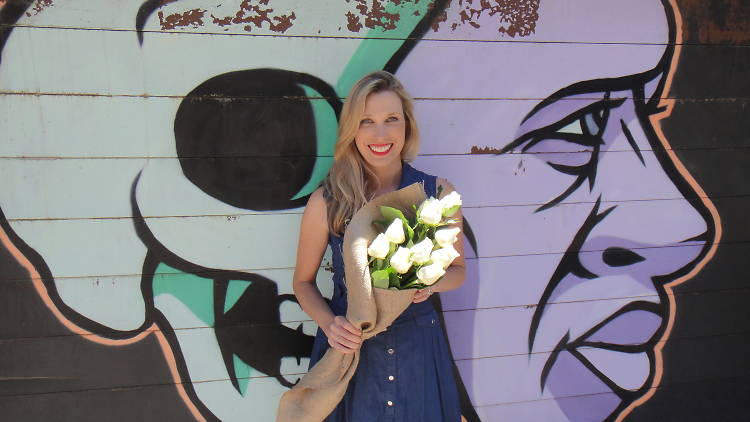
[{"x": 317, "y": 201}]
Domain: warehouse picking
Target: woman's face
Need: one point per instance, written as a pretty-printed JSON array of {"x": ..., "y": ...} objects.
[{"x": 382, "y": 129}]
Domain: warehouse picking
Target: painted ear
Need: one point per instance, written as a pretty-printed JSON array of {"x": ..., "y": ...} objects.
[{"x": 248, "y": 138}]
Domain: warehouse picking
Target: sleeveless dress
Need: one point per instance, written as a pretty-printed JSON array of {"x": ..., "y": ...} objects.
[{"x": 405, "y": 373}]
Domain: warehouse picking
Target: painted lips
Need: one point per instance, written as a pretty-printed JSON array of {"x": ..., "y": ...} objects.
[
  {"x": 380, "y": 149},
  {"x": 626, "y": 336}
]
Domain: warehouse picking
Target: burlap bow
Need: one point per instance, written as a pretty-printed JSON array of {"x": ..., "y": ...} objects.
[{"x": 373, "y": 310}]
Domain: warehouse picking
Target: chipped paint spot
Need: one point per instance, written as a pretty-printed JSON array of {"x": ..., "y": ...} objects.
[
  {"x": 192, "y": 18},
  {"x": 375, "y": 15},
  {"x": 484, "y": 150},
  {"x": 38, "y": 6},
  {"x": 353, "y": 22},
  {"x": 514, "y": 17},
  {"x": 254, "y": 14}
]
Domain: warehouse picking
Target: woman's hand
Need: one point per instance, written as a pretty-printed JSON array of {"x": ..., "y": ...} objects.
[
  {"x": 343, "y": 336},
  {"x": 422, "y": 295}
]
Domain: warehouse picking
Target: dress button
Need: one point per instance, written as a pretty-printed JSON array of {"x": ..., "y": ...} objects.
[
  {"x": 391, "y": 378},
  {"x": 433, "y": 321},
  {"x": 389, "y": 403},
  {"x": 391, "y": 351}
]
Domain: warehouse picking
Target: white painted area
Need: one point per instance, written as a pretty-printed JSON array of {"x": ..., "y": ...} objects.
[{"x": 208, "y": 373}]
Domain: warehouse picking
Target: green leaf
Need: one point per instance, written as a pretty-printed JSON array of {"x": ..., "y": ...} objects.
[
  {"x": 409, "y": 232},
  {"x": 380, "y": 279},
  {"x": 393, "y": 279},
  {"x": 392, "y": 213}
]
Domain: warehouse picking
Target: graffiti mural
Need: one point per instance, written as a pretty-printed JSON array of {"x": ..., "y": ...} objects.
[{"x": 156, "y": 162}]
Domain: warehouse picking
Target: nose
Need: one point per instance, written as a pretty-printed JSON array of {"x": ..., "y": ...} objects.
[{"x": 654, "y": 227}]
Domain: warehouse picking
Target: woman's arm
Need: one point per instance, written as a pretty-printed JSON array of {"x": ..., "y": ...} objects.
[
  {"x": 313, "y": 239},
  {"x": 455, "y": 274}
]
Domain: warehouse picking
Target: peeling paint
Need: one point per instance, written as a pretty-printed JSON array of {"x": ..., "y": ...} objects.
[
  {"x": 375, "y": 15},
  {"x": 192, "y": 18},
  {"x": 515, "y": 17},
  {"x": 253, "y": 14},
  {"x": 38, "y": 6},
  {"x": 484, "y": 150},
  {"x": 353, "y": 22}
]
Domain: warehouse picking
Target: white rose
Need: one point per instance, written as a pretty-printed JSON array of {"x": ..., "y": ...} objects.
[
  {"x": 447, "y": 237},
  {"x": 430, "y": 274},
  {"x": 444, "y": 256},
  {"x": 379, "y": 247},
  {"x": 420, "y": 253},
  {"x": 395, "y": 232},
  {"x": 430, "y": 212},
  {"x": 400, "y": 260},
  {"x": 450, "y": 203}
]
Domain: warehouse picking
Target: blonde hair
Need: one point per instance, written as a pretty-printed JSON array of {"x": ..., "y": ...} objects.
[{"x": 351, "y": 181}]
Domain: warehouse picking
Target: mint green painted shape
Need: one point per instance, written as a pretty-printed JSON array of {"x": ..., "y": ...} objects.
[
  {"x": 372, "y": 54},
  {"x": 197, "y": 293},
  {"x": 242, "y": 371},
  {"x": 235, "y": 289},
  {"x": 381, "y": 44},
  {"x": 326, "y": 126}
]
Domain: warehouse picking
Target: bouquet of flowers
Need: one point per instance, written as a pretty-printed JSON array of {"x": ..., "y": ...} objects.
[
  {"x": 383, "y": 269},
  {"x": 413, "y": 253}
]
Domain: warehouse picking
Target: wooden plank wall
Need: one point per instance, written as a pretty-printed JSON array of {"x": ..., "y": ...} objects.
[{"x": 156, "y": 156}]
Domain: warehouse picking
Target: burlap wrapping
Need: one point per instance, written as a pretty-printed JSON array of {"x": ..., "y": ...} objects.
[{"x": 373, "y": 310}]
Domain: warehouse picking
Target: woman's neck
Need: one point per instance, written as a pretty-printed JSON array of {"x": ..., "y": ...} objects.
[{"x": 388, "y": 177}]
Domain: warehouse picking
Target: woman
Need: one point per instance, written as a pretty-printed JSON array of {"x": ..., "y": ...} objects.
[{"x": 405, "y": 373}]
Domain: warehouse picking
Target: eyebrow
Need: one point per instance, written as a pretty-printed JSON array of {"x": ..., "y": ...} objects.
[
  {"x": 147, "y": 8},
  {"x": 593, "y": 86}
]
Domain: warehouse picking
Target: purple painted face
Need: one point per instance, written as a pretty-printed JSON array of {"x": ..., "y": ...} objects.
[{"x": 581, "y": 217}]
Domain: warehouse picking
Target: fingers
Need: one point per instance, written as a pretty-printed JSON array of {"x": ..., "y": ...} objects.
[
  {"x": 343, "y": 336},
  {"x": 340, "y": 347},
  {"x": 343, "y": 322},
  {"x": 422, "y": 295}
]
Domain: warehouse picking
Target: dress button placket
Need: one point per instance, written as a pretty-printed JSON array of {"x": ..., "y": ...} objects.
[{"x": 390, "y": 369}]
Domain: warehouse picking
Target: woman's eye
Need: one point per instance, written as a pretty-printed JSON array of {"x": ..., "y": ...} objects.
[
  {"x": 392, "y": 119},
  {"x": 365, "y": 121}
]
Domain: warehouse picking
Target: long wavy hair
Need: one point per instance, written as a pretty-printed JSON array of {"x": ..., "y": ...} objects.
[{"x": 351, "y": 182}]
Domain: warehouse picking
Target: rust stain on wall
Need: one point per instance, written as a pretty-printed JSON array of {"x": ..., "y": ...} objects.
[
  {"x": 725, "y": 22},
  {"x": 484, "y": 150},
  {"x": 375, "y": 14},
  {"x": 38, "y": 6},
  {"x": 514, "y": 17},
  {"x": 252, "y": 14},
  {"x": 353, "y": 22},
  {"x": 192, "y": 17}
]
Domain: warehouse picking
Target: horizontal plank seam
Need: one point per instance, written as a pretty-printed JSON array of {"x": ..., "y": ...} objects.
[
  {"x": 352, "y": 37},
  {"x": 676, "y": 295},
  {"x": 277, "y": 213}
]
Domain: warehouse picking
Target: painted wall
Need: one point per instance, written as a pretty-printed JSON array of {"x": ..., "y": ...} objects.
[{"x": 155, "y": 158}]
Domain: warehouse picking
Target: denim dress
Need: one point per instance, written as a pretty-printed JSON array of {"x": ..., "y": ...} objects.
[{"x": 405, "y": 373}]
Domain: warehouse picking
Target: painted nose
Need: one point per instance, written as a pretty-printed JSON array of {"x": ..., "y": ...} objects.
[{"x": 655, "y": 227}]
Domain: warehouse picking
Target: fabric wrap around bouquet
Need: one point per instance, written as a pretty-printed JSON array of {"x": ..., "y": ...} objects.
[{"x": 371, "y": 309}]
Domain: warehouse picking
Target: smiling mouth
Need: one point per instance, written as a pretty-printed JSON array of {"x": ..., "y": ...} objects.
[{"x": 380, "y": 149}]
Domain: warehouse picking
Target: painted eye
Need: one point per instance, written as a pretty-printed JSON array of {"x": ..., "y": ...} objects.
[
  {"x": 571, "y": 146},
  {"x": 250, "y": 153}
]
